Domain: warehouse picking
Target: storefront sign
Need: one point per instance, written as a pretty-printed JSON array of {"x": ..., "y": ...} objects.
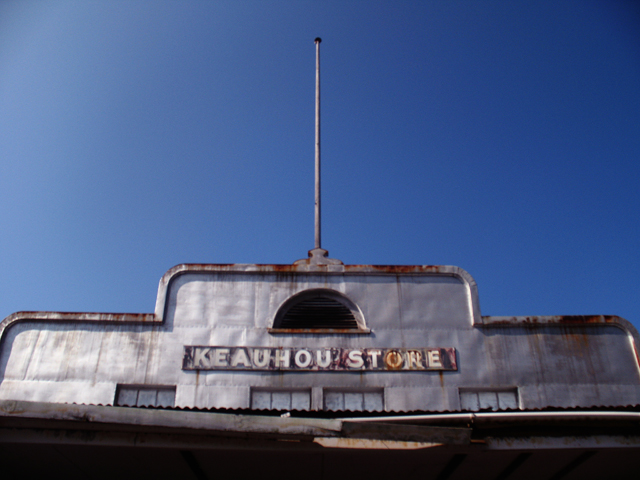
[{"x": 318, "y": 359}]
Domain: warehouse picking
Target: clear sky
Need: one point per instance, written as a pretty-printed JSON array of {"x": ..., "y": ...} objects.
[{"x": 501, "y": 137}]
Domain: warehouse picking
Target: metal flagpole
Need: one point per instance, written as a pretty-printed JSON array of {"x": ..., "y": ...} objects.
[
  {"x": 318, "y": 256},
  {"x": 317, "y": 231}
]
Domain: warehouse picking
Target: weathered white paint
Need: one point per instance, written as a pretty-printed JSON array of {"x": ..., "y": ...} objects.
[{"x": 83, "y": 357}]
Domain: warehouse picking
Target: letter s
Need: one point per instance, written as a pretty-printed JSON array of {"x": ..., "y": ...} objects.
[{"x": 355, "y": 359}]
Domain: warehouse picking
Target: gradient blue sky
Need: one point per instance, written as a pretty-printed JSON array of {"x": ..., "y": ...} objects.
[{"x": 501, "y": 137}]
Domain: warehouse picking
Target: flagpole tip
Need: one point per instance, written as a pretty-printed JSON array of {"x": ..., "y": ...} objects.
[{"x": 317, "y": 40}]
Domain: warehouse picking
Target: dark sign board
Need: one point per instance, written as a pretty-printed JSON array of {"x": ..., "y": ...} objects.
[{"x": 318, "y": 359}]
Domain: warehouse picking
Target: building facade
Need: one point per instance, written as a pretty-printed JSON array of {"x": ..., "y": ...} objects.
[{"x": 341, "y": 356}]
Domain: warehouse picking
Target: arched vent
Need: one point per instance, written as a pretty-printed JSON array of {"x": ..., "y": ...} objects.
[
  {"x": 318, "y": 312},
  {"x": 319, "y": 309}
]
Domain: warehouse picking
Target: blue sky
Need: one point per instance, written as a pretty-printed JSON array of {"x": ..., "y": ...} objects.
[{"x": 501, "y": 137}]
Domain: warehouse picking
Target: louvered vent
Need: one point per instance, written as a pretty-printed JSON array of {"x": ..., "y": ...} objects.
[{"x": 318, "y": 312}]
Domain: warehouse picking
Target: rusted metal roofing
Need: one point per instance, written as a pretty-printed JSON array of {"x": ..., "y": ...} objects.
[{"x": 80, "y": 441}]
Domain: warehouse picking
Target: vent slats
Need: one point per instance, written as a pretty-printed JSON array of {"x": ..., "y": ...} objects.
[{"x": 319, "y": 312}]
